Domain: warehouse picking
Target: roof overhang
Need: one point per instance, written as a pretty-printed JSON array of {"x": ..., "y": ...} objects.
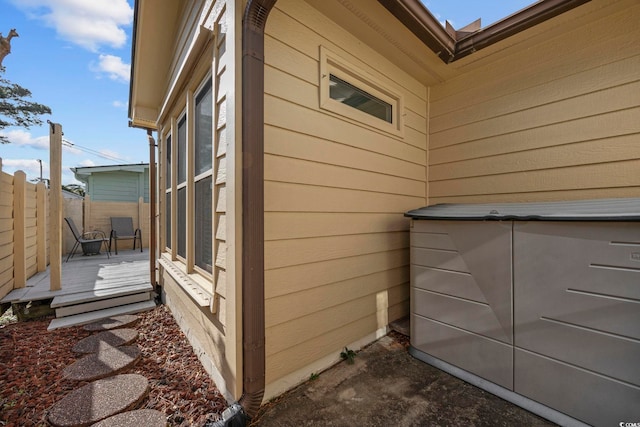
[
  {"x": 83, "y": 173},
  {"x": 426, "y": 27},
  {"x": 153, "y": 43}
]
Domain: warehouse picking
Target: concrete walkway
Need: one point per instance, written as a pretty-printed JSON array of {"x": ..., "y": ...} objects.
[{"x": 388, "y": 387}]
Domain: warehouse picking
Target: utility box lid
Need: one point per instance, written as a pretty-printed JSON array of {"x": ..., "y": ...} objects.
[{"x": 578, "y": 210}]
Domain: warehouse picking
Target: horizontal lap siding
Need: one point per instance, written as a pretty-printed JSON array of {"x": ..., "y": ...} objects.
[
  {"x": 336, "y": 241},
  {"x": 31, "y": 230},
  {"x": 116, "y": 187},
  {"x": 556, "y": 121},
  {"x": 6, "y": 234}
]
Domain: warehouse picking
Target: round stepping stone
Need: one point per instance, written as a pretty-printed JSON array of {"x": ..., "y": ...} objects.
[
  {"x": 114, "y": 338},
  {"x": 111, "y": 323},
  {"x": 108, "y": 361},
  {"x": 138, "y": 418},
  {"x": 99, "y": 400}
]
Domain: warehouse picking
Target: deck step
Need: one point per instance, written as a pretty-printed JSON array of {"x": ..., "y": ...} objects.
[
  {"x": 99, "y": 294},
  {"x": 84, "y": 318},
  {"x": 70, "y": 310}
]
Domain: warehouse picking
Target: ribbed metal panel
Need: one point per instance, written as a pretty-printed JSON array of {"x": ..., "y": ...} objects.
[{"x": 579, "y": 210}]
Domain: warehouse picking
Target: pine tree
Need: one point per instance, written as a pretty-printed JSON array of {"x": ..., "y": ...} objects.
[{"x": 15, "y": 107}]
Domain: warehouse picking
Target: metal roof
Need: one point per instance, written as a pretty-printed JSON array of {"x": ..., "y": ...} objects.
[{"x": 578, "y": 210}]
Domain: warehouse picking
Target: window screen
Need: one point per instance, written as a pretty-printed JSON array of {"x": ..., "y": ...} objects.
[
  {"x": 167, "y": 236},
  {"x": 182, "y": 150},
  {"x": 203, "y": 223},
  {"x": 203, "y": 129},
  {"x": 181, "y": 222}
]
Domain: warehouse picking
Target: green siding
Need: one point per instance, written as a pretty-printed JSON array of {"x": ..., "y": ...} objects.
[{"x": 119, "y": 186}]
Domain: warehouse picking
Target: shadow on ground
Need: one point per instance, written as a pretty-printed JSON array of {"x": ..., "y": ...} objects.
[{"x": 388, "y": 387}]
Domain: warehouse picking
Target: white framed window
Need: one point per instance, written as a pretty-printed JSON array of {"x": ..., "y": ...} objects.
[{"x": 358, "y": 95}]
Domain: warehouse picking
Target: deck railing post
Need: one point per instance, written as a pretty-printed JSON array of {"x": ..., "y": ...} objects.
[
  {"x": 55, "y": 211},
  {"x": 19, "y": 241}
]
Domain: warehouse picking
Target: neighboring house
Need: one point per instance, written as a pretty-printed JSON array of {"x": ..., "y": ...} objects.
[
  {"x": 115, "y": 183},
  {"x": 114, "y": 191},
  {"x": 281, "y": 231}
]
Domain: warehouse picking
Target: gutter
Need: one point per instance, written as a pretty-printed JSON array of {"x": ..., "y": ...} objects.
[{"x": 426, "y": 27}]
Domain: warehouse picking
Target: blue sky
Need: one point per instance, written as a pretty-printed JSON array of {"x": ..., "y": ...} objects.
[{"x": 74, "y": 56}]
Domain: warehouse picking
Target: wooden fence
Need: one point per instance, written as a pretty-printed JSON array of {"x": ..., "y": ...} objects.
[
  {"x": 97, "y": 216},
  {"x": 24, "y": 233}
]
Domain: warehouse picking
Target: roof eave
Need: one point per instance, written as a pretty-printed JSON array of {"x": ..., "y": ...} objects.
[{"x": 427, "y": 28}]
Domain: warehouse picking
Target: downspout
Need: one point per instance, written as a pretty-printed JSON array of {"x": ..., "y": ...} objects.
[
  {"x": 152, "y": 208},
  {"x": 253, "y": 322}
]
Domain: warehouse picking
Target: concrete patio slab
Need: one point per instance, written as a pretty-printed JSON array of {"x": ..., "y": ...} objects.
[{"x": 388, "y": 387}]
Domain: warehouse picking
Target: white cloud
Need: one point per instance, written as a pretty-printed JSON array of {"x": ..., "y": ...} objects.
[
  {"x": 87, "y": 163},
  {"x": 90, "y": 24},
  {"x": 31, "y": 167},
  {"x": 23, "y": 138},
  {"x": 113, "y": 67},
  {"x": 119, "y": 104}
]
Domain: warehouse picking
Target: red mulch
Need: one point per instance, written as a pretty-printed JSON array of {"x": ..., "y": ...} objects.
[{"x": 32, "y": 360}]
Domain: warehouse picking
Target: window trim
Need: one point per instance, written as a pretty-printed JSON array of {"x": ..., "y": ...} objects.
[{"x": 365, "y": 80}]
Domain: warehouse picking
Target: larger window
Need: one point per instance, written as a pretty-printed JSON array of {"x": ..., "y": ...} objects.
[{"x": 188, "y": 172}]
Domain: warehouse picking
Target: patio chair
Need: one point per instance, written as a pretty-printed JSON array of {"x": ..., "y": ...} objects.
[
  {"x": 122, "y": 229},
  {"x": 91, "y": 241}
]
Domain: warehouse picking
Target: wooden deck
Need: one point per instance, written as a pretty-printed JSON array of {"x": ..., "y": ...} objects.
[{"x": 93, "y": 287}]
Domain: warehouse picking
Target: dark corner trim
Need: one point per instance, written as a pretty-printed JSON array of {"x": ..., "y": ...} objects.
[{"x": 253, "y": 322}]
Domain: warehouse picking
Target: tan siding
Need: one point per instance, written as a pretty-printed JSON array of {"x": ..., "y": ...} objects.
[
  {"x": 309, "y": 351},
  {"x": 284, "y": 169},
  {"x": 286, "y": 308},
  {"x": 564, "y": 126},
  {"x": 291, "y": 225},
  {"x": 298, "y": 278},
  {"x": 284, "y": 142},
  {"x": 335, "y": 192}
]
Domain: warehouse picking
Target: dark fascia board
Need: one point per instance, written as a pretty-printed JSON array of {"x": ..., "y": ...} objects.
[
  {"x": 427, "y": 28},
  {"x": 133, "y": 56}
]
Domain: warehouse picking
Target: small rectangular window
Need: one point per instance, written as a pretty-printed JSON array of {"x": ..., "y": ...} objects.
[
  {"x": 359, "y": 99},
  {"x": 360, "y": 94}
]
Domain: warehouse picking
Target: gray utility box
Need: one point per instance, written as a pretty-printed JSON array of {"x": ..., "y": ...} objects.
[{"x": 542, "y": 300}]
